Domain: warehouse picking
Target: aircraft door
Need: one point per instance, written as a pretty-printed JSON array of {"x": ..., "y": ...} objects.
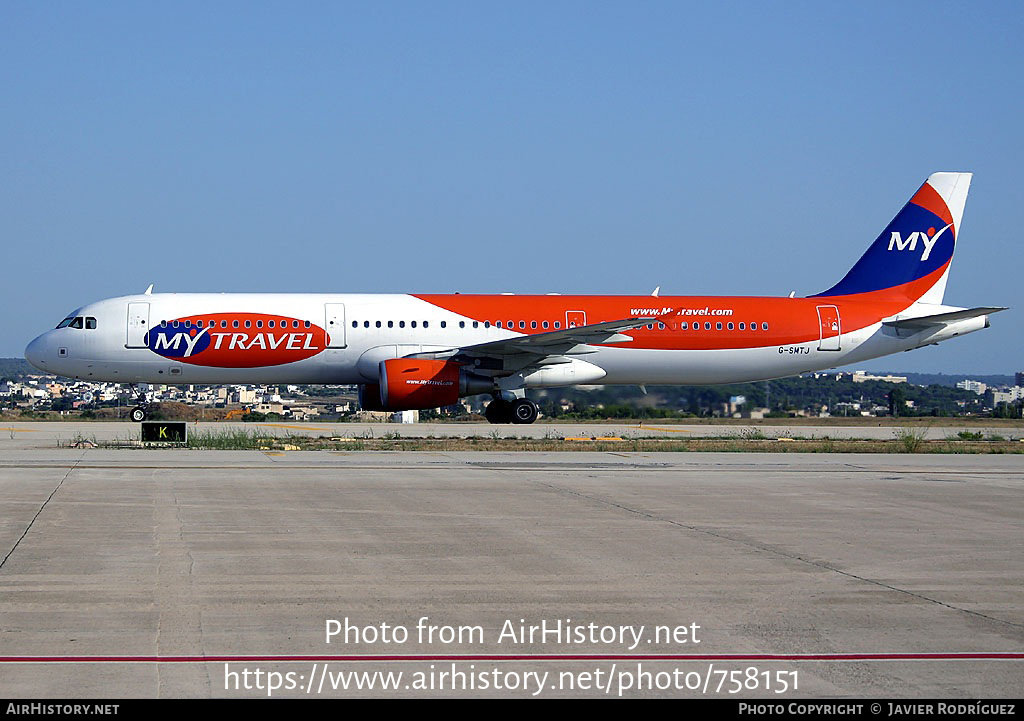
[
  {"x": 335, "y": 324},
  {"x": 575, "y": 318},
  {"x": 828, "y": 321},
  {"x": 138, "y": 325}
]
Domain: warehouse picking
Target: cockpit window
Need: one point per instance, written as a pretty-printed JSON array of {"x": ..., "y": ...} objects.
[{"x": 79, "y": 322}]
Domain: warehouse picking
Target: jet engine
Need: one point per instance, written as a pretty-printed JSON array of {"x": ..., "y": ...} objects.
[{"x": 408, "y": 384}]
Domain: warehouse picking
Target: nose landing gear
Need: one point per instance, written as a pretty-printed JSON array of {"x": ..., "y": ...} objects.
[{"x": 141, "y": 410}]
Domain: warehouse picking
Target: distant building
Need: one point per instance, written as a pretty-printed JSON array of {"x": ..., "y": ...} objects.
[
  {"x": 862, "y": 376},
  {"x": 243, "y": 395},
  {"x": 1009, "y": 395},
  {"x": 973, "y": 386},
  {"x": 1018, "y": 378}
]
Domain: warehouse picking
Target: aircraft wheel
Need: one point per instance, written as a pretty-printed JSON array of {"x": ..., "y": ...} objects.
[
  {"x": 138, "y": 414},
  {"x": 524, "y": 411},
  {"x": 498, "y": 411}
]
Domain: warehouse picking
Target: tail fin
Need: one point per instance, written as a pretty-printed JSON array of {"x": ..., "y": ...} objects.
[{"x": 911, "y": 257}]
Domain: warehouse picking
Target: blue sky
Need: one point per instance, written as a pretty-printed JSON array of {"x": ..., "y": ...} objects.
[{"x": 579, "y": 147}]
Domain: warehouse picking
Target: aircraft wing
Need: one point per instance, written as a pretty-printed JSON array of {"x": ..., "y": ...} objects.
[{"x": 510, "y": 355}]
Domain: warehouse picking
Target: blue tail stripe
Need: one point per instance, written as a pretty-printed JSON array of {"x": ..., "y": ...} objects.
[{"x": 917, "y": 242}]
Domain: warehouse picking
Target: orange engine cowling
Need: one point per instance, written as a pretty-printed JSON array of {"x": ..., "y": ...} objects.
[{"x": 408, "y": 384}]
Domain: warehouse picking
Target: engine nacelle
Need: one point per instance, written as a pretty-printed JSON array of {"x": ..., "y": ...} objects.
[{"x": 408, "y": 384}]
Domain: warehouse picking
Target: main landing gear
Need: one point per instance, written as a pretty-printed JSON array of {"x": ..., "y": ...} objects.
[
  {"x": 520, "y": 410},
  {"x": 138, "y": 413}
]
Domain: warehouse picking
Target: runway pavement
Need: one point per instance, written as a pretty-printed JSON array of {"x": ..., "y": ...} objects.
[{"x": 758, "y": 570}]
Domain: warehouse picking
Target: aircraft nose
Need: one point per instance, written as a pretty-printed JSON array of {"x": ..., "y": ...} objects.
[{"x": 35, "y": 353}]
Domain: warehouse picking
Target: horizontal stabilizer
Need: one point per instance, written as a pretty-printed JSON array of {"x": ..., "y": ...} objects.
[{"x": 937, "y": 319}]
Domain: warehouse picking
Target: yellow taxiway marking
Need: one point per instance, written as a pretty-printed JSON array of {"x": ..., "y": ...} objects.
[
  {"x": 662, "y": 428},
  {"x": 22, "y": 430},
  {"x": 298, "y": 428},
  {"x": 273, "y": 453}
]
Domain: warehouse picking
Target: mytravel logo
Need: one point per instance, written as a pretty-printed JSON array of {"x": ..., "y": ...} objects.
[
  {"x": 237, "y": 340},
  {"x": 928, "y": 239}
]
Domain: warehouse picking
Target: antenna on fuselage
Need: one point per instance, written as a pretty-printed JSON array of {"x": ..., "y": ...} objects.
[{"x": 149, "y": 290}]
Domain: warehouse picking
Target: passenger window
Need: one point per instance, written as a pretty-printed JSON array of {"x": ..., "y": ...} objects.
[
  {"x": 743, "y": 326},
  {"x": 259, "y": 324},
  {"x": 248, "y": 324},
  {"x": 476, "y": 324},
  {"x": 444, "y": 324},
  {"x": 683, "y": 325},
  {"x": 426, "y": 324},
  {"x": 355, "y": 324},
  {"x": 545, "y": 324},
  {"x": 223, "y": 324},
  {"x": 764, "y": 326},
  {"x": 497, "y": 324},
  {"x": 307, "y": 323},
  {"x": 378, "y": 324},
  {"x": 270, "y": 324},
  {"x": 731, "y": 326},
  {"x": 718, "y": 326},
  {"x": 401, "y": 324},
  {"x": 522, "y": 324},
  {"x": 462, "y": 324},
  {"x": 413, "y": 324},
  {"x": 366, "y": 324},
  {"x": 558, "y": 325},
  {"x": 391, "y": 324},
  {"x": 487, "y": 324}
]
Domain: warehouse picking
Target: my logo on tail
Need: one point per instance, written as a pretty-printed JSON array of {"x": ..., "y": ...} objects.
[{"x": 928, "y": 240}]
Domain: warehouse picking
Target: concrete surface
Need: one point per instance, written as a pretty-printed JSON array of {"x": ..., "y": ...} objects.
[{"x": 182, "y": 554}]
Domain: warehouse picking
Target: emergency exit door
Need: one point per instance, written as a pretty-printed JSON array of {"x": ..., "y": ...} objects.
[
  {"x": 334, "y": 324},
  {"x": 828, "y": 320}
]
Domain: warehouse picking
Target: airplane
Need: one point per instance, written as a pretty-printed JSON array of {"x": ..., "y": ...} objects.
[{"x": 420, "y": 351}]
